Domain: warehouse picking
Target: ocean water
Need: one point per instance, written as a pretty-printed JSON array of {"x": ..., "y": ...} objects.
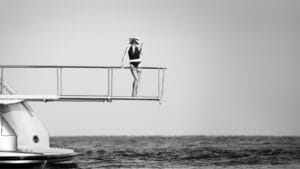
[{"x": 186, "y": 152}]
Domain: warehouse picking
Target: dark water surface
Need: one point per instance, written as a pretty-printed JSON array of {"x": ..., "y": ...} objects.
[{"x": 182, "y": 152}]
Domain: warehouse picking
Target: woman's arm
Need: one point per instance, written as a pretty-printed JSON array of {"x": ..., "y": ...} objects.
[
  {"x": 123, "y": 59},
  {"x": 141, "y": 48}
]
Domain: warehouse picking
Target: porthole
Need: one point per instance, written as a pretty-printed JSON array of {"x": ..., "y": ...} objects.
[{"x": 36, "y": 139}]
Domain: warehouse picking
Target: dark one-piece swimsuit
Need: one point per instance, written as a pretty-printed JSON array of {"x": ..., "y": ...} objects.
[{"x": 134, "y": 55}]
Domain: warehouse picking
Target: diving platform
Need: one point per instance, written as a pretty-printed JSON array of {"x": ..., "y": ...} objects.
[{"x": 59, "y": 95}]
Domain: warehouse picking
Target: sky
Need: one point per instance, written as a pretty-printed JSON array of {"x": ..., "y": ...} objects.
[{"x": 232, "y": 66}]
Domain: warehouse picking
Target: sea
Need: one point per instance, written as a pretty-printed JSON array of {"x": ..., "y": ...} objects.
[{"x": 181, "y": 152}]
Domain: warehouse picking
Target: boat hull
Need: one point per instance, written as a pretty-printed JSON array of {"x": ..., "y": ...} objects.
[{"x": 11, "y": 160}]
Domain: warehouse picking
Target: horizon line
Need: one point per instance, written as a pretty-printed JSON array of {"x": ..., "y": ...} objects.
[{"x": 200, "y": 135}]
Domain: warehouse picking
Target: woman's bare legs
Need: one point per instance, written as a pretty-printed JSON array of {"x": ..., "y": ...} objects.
[
  {"x": 139, "y": 72},
  {"x": 135, "y": 74}
]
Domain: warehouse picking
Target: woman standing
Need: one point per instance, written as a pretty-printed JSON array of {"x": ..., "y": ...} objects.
[{"x": 134, "y": 52}]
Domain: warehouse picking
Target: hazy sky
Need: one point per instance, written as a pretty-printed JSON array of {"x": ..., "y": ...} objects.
[{"x": 233, "y": 66}]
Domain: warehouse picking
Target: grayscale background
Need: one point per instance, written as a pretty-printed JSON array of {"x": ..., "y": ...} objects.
[{"x": 233, "y": 66}]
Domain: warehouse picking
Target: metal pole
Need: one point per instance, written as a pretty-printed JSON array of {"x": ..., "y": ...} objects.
[
  {"x": 162, "y": 87},
  {"x": 111, "y": 83},
  {"x": 163, "y": 83},
  {"x": 61, "y": 81},
  {"x": 159, "y": 90},
  {"x": 69, "y": 67},
  {"x": 2, "y": 81},
  {"x": 57, "y": 81}
]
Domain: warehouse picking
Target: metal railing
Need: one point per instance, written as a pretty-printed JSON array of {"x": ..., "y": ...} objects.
[{"x": 60, "y": 96}]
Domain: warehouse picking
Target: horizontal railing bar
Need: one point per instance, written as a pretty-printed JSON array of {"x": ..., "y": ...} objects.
[
  {"x": 73, "y": 97},
  {"x": 107, "y": 98},
  {"x": 70, "y": 67},
  {"x": 134, "y": 98},
  {"x": 25, "y": 97}
]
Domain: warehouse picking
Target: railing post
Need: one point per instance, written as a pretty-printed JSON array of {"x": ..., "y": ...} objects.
[
  {"x": 158, "y": 80},
  {"x": 2, "y": 81},
  {"x": 163, "y": 86},
  {"x": 59, "y": 81},
  {"x": 108, "y": 83},
  {"x": 111, "y": 82}
]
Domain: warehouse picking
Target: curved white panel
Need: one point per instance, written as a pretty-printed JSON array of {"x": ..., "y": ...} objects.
[{"x": 8, "y": 138}]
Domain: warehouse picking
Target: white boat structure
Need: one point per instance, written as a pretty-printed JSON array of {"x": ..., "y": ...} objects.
[{"x": 24, "y": 141}]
